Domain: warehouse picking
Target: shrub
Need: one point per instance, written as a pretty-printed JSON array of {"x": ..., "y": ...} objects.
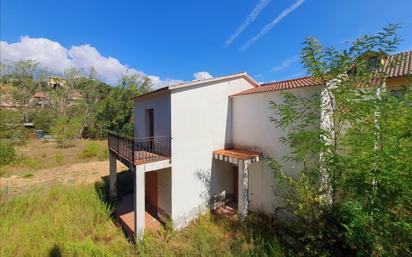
[
  {"x": 7, "y": 153},
  {"x": 66, "y": 129},
  {"x": 26, "y": 162},
  {"x": 90, "y": 150},
  {"x": 43, "y": 119},
  {"x": 11, "y": 126},
  {"x": 93, "y": 149}
]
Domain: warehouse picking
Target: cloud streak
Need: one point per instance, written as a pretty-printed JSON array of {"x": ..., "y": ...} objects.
[
  {"x": 286, "y": 63},
  {"x": 268, "y": 27},
  {"x": 250, "y": 18}
]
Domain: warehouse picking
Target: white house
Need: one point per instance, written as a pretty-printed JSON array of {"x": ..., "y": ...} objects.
[{"x": 199, "y": 145}]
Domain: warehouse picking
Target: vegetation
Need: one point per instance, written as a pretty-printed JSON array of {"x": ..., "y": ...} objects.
[
  {"x": 7, "y": 153},
  {"x": 80, "y": 106},
  {"x": 61, "y": 221},
  {"x": 74, "y": 221},
  {"x": 355, "y": 199},
  {"x": 93, "y": 149},
  {"x": 34, "y": 156}
]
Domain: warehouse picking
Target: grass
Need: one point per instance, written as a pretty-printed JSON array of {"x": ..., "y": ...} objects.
[
  {"x": 36, "y": 155},
  {"x": 28, "y": 175},
  {"x": 60, "y": 221},
  {"x": 75, "y": 221}
]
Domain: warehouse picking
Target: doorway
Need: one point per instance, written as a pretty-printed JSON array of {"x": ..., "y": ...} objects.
[
  {"x": 151, "y": 192},
  {"x": 149, "y": 121}
]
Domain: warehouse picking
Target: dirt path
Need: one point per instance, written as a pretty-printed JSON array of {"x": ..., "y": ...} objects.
[{"x": 79, "y": 173}]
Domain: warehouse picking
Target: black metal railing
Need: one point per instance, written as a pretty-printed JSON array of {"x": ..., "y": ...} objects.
[{"x": 140, "y": 150}]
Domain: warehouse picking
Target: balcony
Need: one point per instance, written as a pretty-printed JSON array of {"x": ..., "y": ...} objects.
[{"x": 139, "y": 151}]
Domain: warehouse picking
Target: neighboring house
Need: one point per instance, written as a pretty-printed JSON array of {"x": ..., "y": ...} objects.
[
  {"x": 56, "y": 82},
  {"x": 199, "y": 145}
]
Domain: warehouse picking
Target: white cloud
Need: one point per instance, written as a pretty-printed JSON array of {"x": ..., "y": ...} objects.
[
  {"x": 250, "y": 18},
  {"x": 285, "y": 64},
  {"x": 58, "y": 58},
  {"x": 201, "y": 75},
  {"x": 268, "y": 27}
]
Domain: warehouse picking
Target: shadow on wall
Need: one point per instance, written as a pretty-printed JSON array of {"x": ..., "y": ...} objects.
[
  {"x": 228, "y": 130},
  {"x": 215, "y": 192}
]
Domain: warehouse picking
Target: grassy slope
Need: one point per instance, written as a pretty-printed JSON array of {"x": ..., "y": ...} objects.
[
  {"x": 74, "y": 221},
  {"x": 37, "y": 155},
  {"x": 68, "y": 220}
]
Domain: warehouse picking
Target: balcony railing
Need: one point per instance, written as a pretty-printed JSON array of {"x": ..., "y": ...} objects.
[{"x": 140, "y": 150}]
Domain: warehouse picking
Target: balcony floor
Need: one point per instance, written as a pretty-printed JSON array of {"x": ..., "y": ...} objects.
[
  {"x": 125, "y": 215},
  {"x": 148, "y": 157}
]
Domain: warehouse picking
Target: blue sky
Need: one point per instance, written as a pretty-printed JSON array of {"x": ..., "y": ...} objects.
[{"x": 171, "y": 40}]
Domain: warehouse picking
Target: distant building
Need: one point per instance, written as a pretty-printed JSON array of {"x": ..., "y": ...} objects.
[{"x": 56, "y": 82}]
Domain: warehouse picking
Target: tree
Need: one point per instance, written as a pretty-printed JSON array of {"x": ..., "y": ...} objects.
[
  {"x": 115, "y": 112},
  {"x": 353, "y": 143},
  {"x": 66, "y": 129}
]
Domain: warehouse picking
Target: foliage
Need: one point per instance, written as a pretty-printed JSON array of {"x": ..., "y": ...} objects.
[
  {"x": 43, "y": 119},
  {"x": 98, "y": 106},
  {"x": 11, "y": 126},
  {"x": 60, "y": 221},
  {"x": 116, "y": 112},
  {"x": 352, "y": 195},
  {"x": 66, "y": 129},
  {"x": 7, "y": 153},
  {"x": 93, "y": 149}
]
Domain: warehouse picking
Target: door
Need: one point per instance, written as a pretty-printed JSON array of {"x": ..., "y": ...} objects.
[
  {"x": 235, "y": 183},
  {"x": 149, "y": 123},
  {"x": 151, "y": 189}
]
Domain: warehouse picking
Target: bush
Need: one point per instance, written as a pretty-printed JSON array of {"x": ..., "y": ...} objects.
[
  {"x": 93, "y": 149},
  {"x": 90, "y": 150},
  {"x": 11, "y": 126},
  {"x": 7, "y": 153},
  {"x": 66, "y": 129},
  {"x": 43, "y": 119}
]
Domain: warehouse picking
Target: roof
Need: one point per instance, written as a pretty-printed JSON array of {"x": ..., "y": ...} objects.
[
  {"x": 281, "y": 85},
  {"x": 403, "y": 67},
  {"x": 240, "y": 154},
  {"x": 200, "y": 82}
]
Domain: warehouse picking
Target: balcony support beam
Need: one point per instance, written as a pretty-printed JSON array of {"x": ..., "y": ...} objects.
[
  {"x": 139, "y": 202},
  {"x": 113, "y": 176}
]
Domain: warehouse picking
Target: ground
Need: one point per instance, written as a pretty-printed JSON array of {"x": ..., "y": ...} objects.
[{"x": 62, "y": 210}]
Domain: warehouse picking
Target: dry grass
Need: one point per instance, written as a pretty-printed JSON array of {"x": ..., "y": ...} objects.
[{"x": 37, "y": 155}]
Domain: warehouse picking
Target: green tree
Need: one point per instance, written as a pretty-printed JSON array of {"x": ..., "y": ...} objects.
[
  {"x": 66, "y": 129},
  {"x": 115, "y": 112},
  {"x": 354, "y": 144}
]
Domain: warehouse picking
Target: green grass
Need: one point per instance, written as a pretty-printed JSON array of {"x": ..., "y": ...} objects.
[
  {"x": 61, "y": 221},
  {"x": 28, "y": 175},
  {"x": 76, "y": 221}
]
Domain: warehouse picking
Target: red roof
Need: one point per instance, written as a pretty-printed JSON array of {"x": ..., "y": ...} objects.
[
  {"x": 281, "y": 85},
  {"x": 403, "y": 67}
]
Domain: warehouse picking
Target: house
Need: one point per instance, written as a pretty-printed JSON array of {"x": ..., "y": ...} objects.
[
  {"x": 56, "y": 82},
  {"x": 200, "y": 145}
]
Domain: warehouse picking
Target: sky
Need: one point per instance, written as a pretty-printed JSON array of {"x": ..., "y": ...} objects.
[{"x": 174, "y": 41}]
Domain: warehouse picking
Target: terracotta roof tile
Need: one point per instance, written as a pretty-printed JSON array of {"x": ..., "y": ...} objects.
[
  {"x": 281, "y": 85},
  {"x": 403, "y": 67}
]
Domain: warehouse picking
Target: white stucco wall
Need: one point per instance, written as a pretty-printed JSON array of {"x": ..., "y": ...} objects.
[
  {"x": 253, "y": 130},
  {"x": 161, "y": 112},
  {"x": 164, "y": 185},
  {"x": 201, "y": 119}
]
